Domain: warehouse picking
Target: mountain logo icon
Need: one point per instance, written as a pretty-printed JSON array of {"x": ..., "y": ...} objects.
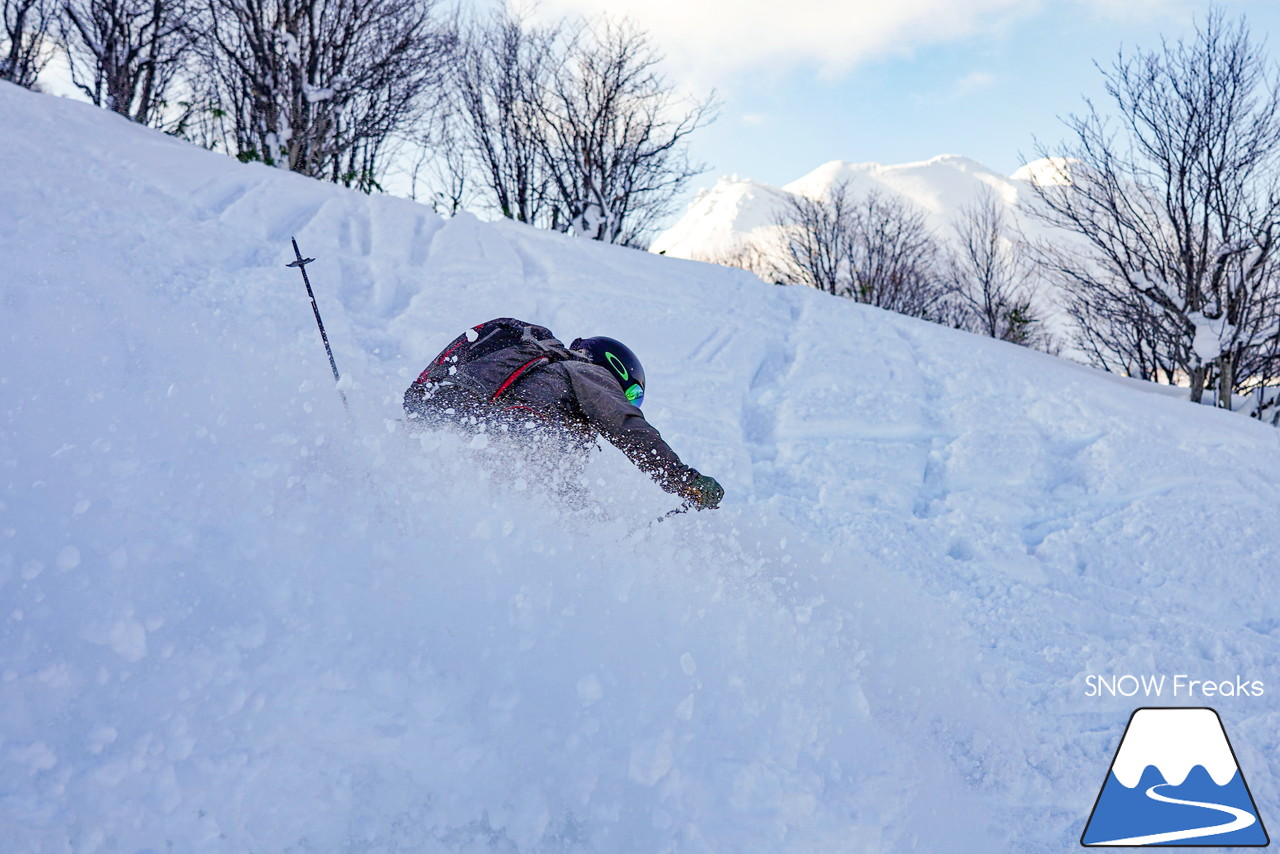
[{"x": 1175, "y": 782}]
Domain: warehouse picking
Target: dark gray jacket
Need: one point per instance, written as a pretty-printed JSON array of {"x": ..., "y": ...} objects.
[{"x": 540, "y": 376}]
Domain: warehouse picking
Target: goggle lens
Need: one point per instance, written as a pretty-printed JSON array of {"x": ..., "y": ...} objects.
[{"x": 635, "y": 394}]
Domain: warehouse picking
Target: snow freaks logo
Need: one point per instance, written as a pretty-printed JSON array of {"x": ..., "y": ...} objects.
[
  {"x": 1180, "y": 685},
  {"x": 1175, "y": 782}
]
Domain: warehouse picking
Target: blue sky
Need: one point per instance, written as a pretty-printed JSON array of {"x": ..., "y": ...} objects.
[{"x": 806, "y": 81}]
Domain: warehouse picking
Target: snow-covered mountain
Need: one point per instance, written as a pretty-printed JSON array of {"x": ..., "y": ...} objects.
[
  {"x": 234, "y": 618},
  {"x": 735, "y": 210}
]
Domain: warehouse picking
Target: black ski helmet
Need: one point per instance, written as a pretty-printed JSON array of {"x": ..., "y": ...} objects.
[{"x": 617, "y": 358}]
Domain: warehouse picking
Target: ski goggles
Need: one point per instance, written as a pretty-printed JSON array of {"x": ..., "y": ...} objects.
[{"x": 635, "y": 394}]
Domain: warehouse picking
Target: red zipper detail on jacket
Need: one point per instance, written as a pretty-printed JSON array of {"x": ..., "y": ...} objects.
[
  {"x": 422, "y": 378},
  {"x": 516, "y": 374}
]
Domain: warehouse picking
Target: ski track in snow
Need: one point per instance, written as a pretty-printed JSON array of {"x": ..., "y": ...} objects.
[
  {"x": 761, "y": 409},
  {"x": 235, "y": 619}
]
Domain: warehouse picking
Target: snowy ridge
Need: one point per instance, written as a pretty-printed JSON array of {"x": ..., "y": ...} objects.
[
  {"x": 1047, "y": 171},
  {"x": 721, "y": 217},
  {"x": 735, "y": 210},
  {"x": 1174, "y": 742},
  {"x": 940, "y": 186},
  {"x": 234, "y": 619},
  {"x": 736, "y": 214}
]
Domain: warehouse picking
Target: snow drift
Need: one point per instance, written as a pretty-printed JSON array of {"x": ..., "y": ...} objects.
[{"x": 233, "y": 618}]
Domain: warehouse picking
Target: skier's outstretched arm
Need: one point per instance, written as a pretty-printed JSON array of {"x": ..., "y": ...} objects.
[{"x": 624, "y": 425}]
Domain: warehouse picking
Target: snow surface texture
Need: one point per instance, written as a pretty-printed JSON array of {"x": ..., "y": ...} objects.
[{"x": 234, "y": 619}]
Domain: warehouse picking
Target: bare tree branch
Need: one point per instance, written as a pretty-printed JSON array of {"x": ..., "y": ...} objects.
[
  {"x": 126, "y": 54},
  {"x": 502, "y": 71},
  {"x": 613, "y": 136},
  {"x": 992, "y": 277},
  {"x": 324, "y": 87},
  {"x": 1178, "y": 209},
  {"x": 875, "y": 250},
  {"x": 24, "y": 39}
]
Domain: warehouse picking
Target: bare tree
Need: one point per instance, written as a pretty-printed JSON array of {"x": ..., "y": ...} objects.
[
  {"x": 893, "y": 260},
  {"x": 878, "y": 250},
  {"x": 817, "y": 240},
  {"x": 1179, "y": 209},
  {"x": 324, "y": 88},
  {"x": 441, "y": 165},
  {"x": 504, "y": 66},
  {"x": 991, "y": 277},
  {"x": 23, "y": 41},
  {"x": 126, "y": 54},
  {"x": 1118, "y": 331},
  {"x": 613, "y": 136}
]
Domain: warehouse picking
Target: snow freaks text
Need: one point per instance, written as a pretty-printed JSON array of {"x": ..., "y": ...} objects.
[{"x": 1178, "y": 685}]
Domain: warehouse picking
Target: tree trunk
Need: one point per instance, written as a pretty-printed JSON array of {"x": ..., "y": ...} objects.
[
  {"x": 1197, "y": 383},
  {"x": 1226, "y": 380}
]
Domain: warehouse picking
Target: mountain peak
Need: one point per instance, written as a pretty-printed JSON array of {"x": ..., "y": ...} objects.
[
  {"x": 1047, "y": 171},
  {"x": 737, "y": 211}
]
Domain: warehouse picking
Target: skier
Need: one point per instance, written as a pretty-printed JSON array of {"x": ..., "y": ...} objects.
[{"x": 509, "y": 376}]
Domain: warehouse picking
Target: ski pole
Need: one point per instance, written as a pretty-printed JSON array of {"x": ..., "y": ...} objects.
[{"x": 301, "y": 263}]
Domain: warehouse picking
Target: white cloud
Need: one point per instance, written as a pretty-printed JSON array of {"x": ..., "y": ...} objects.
[
  {"x": 713, "y": 37},
  {"x": 973, "y": 82}
]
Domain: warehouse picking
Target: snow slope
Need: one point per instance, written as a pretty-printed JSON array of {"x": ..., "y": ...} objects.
[{"x": 234, "y": 619}]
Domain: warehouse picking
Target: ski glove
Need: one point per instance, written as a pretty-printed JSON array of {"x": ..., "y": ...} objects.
[{"x": 705, "y": 492}]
